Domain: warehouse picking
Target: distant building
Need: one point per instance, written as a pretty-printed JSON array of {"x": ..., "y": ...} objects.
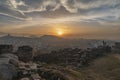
[
  {"x": 25, "y": 53},
  {"x": 6, "y": 49}
]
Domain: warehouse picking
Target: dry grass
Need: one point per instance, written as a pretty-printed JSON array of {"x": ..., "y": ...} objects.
[{"x": 105, "y": 68}]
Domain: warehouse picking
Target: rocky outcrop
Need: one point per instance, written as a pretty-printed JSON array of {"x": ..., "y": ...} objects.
[
  {"x": 75, "y": 57},
  {"x": 25, "y": 53},
  {"x": 6, "y": 49},
  {"x": 8, "y": 66}
]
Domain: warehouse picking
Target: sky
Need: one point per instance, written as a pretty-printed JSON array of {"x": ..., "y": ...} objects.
[{"x": 98, "y": 19}]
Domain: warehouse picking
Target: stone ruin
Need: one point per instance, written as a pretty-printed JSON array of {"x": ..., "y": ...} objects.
[
  {"x": 25, "y": 53},
  {"x": 6, "y": 49}
]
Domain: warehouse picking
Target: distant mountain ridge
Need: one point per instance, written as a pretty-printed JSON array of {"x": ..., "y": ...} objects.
[{"x": 51, "y": 42}]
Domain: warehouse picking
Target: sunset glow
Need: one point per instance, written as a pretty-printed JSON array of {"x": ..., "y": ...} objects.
[{"x": 60, "y": 33}]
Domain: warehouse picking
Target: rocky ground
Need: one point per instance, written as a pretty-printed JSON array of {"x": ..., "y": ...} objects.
[
  {"x": 104, "y": 68},
  {"x": 101, "y": 63}
]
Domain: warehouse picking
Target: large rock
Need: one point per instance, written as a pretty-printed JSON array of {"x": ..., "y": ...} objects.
[
  {"x": 9, "y": 59},
  {"x": 7, "y": 71}
]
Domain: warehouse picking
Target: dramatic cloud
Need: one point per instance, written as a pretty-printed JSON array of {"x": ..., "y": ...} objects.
[
  {"x": 25, "y": 13},
  {"x": 22, "y": 8},
  {"x": 8, "y": 8}
]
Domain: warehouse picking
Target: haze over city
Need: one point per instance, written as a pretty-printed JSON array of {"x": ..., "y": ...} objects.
[{"x": 97, "y": 19}]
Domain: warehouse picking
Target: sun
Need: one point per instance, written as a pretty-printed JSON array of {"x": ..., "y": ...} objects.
[{"x": 60, "y": 33}]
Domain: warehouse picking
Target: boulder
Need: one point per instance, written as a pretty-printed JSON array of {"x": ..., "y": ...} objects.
[
  {"x": 9, "y": 58},
  {"x": 7, "y": 71}
]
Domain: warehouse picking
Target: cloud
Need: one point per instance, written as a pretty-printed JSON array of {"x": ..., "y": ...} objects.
[
  {"x": 16, "y": 3},
  {"x": 77, "y": 10},
  {"x": 39, "y": 5},
  {"x": 87, "y": 4},
  {"x": 79, "y": 7},
  {"x": 70, "y": 5},
  {"x": 8, "y": 8}
]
